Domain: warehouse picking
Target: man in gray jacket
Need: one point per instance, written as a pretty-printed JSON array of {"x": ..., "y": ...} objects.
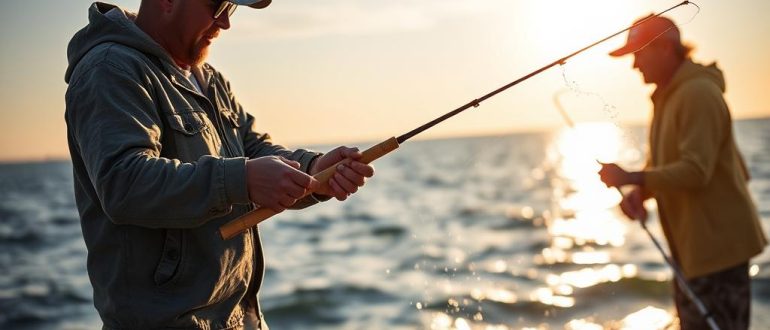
[{"x": 163, "y": 155}]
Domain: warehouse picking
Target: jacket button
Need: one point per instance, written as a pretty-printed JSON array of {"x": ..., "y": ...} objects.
[{"x": 172, "y": 254}]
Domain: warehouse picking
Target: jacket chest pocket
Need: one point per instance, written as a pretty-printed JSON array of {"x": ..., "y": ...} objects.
[
  {"x": 189, "y": 122},
  {"x": 192, "y": 135}
]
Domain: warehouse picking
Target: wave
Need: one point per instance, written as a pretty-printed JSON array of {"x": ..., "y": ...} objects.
[
  {"x": 388, "y": 231},
  {"x": 324, "y": 306},
  {"x": 34, "y": 305}
]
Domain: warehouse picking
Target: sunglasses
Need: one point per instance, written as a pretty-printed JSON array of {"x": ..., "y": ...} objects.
[{"x": 223, "y": 6}]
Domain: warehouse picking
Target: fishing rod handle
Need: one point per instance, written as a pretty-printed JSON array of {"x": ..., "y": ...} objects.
[{"x": 250, "y": 219}]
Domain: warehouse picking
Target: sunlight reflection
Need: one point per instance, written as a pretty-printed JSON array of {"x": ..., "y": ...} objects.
[
  {"x": 457, "y": 255},
  {"x": 462, "y": 324},
  {"x": 754, "y": 270},
  {"x": 496, "y": 267},
  {"x": 563, "y": 243},
  {"x": 587, "y": 277},
  {"x": 596, "y": 226},
  {"x": 558, "y": 253},
  {"x": 582, "y": 324},
  {"x": 586, "y": 207},
  {"x": 584, "y": 223},
  {"x": 551, "y": 256},
  {"x": 442, "y": 321},
  {"x": 563, "y": 289},
  {"x": 647, "y": 318},
  {"x": 547, "y": 296},
  {"x": 494, "y": 294},
  {"x": 591, "y": 257},
  {"x": 502, "y": 295}
]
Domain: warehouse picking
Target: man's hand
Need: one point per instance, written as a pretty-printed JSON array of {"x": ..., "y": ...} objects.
[
  {"x": 276, "y": 182},
  {"x": 350, "y": 175},
  {"x": 614, "y": 176},
  {"x": 632, "y": 205}
]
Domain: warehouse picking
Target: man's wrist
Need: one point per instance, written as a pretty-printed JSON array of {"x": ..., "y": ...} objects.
[{"x": 311, "y": 169}]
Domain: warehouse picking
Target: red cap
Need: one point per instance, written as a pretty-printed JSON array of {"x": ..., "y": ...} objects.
[{"x": 650, "y": 28}]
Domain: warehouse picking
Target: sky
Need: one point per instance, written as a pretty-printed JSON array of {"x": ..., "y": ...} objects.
[{"x": 356, "y": 72}]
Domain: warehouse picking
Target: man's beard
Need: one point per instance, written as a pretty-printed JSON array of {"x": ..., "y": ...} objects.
[{"x": 198, "y": 54}]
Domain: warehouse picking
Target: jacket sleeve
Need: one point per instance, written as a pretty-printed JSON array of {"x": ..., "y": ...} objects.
[
  {"x": 116, "y": 128},
  {"x": 701, "y": 126}
]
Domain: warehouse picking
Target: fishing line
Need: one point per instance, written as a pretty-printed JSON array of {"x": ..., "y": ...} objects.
[{"x": 609, "y": 109}]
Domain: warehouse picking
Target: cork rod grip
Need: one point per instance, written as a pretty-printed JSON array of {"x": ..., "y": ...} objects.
[{"x": 248, "y": 220}]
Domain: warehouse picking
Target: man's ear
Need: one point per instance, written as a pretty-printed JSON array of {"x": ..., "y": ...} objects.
[{"x": 668, "y": 47}]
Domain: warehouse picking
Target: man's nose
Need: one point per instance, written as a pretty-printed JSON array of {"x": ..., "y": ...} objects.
[{"x": 223, "y": 21}]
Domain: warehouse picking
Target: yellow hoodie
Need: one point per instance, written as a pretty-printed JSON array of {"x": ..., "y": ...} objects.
[{"x": 697, "y": 174}]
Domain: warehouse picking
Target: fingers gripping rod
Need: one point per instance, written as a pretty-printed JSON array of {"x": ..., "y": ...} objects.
[{"x": 248, "y": 220}]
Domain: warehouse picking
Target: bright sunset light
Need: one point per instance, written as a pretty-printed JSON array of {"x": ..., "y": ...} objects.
[{"x": 352, "y": 71}]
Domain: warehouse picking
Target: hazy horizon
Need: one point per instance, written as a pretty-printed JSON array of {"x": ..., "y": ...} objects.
[{"x": 363, "y": 144}]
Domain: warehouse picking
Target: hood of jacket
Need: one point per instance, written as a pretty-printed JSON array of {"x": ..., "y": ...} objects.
[
  {"x": 690, "y": 71},
  {"x": 109, "y": 23}
]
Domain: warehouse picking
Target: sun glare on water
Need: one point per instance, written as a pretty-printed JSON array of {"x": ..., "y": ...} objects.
[
  {"x": 586, "y": 234},
  {"x": 585, "y": 206}
]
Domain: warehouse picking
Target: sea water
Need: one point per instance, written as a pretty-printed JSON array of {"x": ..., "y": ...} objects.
[{"x": 498, "y": 232}]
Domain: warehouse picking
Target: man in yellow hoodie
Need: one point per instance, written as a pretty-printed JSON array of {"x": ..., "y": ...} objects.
[{"x": 697, "y": 176}]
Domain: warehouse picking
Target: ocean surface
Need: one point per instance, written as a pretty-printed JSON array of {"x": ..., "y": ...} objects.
[{"x": 499, "y": 232}]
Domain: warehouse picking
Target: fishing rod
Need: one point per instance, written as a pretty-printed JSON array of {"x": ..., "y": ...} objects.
[
  {"x": 678, "y": 275},
  {"x": 253, "y": 218},
  {"x": 680, "y": 279}
]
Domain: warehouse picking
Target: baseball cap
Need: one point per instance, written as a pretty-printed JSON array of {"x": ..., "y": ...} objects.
[
  {"x": 259, "y": 4},
  {"x": 650, "y": 28}
]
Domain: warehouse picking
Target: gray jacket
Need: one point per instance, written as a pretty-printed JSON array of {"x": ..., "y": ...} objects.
[{"x": 158, "y": 168}]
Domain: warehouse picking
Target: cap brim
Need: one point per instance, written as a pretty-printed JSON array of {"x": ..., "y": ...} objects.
[
  {"x": 258, "y": 4},
  {"x": 261, "y": 4},
  {"x": 625, "y": 50}
]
